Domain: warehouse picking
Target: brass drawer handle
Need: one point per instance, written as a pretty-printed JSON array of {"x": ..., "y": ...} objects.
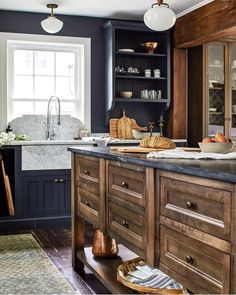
[
  {"x": 191, "y": 205},
  {"x": 189, "y": 259},
  {"x": 87, "y": 204},
  {"x": 125, "y": 224},
  {"x": 86, "y": 172},
  {"x": 125, "y": 184}
]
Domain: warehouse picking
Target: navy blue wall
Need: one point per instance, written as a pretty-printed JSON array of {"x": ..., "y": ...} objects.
[{"x": 74, "y": 26}]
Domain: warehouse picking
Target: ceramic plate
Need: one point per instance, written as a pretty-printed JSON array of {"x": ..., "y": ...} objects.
[{"x": 125, "y": 50}]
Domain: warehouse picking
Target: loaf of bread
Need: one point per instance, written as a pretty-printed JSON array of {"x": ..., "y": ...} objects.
[{"x": 158, "y": 142}]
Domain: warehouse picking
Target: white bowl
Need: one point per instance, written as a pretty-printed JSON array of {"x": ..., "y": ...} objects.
[
  {"x": 139, "y": 135},
  {"x": 102, "y": 142},
  {"x": 216, "y": 147},
  {"x": 126, "y": 94}
]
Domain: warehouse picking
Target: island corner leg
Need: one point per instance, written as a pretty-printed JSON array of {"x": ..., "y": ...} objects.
[{"x": 77, "y": 242}]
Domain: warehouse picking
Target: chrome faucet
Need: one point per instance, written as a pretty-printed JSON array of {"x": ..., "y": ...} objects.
[{"x": 49, "y": 131}]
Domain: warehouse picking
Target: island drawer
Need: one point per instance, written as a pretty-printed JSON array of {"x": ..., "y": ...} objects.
[
  {"x": 205, "y": 266},
  {"x": 88, "y": 206},
  {"x": 127, "y": 225},
  {"x": 87, "y": 168},
  {"x": 201, "y": 205},
  {"x": 127, "y": 182},
  {"x": 89, "y": 185}
]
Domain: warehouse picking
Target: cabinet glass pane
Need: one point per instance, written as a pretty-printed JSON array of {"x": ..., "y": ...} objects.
[
  {"x": 233, "y": 119},
  {"x": 216, "y": 70}
]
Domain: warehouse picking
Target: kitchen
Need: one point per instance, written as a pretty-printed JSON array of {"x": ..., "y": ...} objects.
[{"x": 41, "y": 202}]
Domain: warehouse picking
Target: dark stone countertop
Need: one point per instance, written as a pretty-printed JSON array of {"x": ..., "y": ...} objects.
[{"x": 224, "y": 170}]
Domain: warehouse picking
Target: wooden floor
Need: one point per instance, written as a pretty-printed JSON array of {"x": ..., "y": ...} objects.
[{"x": 57, "y": 245}]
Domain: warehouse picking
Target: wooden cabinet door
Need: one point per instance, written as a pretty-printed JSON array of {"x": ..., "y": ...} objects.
[
  {"x": 64, "y": 194},
  {"x": 40, "y": 195}
]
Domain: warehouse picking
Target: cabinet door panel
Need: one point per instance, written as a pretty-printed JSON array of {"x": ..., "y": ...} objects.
[
  {"x": 65, "y": 194},
  {"x": 40, "y": 195}
]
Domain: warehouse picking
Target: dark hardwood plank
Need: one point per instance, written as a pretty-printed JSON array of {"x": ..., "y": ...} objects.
[{"x": 57, "y": 245}]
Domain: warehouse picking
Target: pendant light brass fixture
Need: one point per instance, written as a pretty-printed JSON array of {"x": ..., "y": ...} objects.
[
  {"x": 160, "y": 17},
  {"x": 52, "y": 24}
]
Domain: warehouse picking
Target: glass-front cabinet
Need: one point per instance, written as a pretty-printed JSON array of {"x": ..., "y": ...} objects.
[{"x": 220, "y": 89}]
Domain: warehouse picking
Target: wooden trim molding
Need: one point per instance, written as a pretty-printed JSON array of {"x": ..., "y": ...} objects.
[
  {"x": 210, "y": 22},
  {"x": 178, "y": 128}
]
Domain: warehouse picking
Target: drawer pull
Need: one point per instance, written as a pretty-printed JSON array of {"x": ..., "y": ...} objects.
[
  {"x": 125, "y": 224},
  {"x": 189, "y": 259},
  {"x": 87, "y": 204},
  {"x": 191, "y": 205},
  {"x": 125, "y": 184},
  {"x": 56, "y": 180},
  {"x": 87, "y": 172},
  {"x": 61, "y": 180}
]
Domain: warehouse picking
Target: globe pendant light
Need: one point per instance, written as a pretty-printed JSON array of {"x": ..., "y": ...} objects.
[
  {"x": 52, "y": 24},
  {"x": 159, "y": 17}
]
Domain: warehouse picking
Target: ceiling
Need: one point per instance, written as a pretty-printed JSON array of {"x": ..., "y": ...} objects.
[{"x": 123, "y": 9}]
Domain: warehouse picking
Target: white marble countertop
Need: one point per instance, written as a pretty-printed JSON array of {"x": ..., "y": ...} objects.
[
  {"x": 53, "y": 142},
  {"x": 81, "y": 142}
]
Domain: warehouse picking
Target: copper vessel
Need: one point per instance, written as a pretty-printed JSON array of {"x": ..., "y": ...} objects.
[{"x": 104, "y": 246}]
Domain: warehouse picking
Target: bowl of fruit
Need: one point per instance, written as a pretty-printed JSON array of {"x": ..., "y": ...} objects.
[{"x": 218, "y": 144}]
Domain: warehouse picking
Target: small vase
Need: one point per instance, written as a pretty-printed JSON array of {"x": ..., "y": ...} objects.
[{"x": 104, "y": 246}]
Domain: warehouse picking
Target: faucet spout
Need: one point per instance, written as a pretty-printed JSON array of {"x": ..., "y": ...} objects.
[{"x": 49, "y": 131}]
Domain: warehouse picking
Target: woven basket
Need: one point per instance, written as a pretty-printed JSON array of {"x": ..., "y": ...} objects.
[{"x": 130, "y": 266}]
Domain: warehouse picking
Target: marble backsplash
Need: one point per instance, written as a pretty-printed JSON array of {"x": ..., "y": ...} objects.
[{"x": 34, "y": 126}]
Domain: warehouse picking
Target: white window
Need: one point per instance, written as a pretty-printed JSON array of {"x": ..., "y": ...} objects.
[{"x": 38, "y": 67}]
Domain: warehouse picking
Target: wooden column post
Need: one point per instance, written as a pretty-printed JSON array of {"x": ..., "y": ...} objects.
[{"x": 178, "y": 127}]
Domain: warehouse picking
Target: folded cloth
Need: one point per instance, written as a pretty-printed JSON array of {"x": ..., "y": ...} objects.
[
  {"x": 181, "y": 154},
  {"x": 155, "y": 279}
]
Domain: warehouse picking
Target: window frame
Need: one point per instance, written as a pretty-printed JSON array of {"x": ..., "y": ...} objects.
[{"x": 82, "y": 48}]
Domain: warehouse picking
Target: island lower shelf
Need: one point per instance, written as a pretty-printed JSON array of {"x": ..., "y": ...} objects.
[{"x": 105, "y": 268}]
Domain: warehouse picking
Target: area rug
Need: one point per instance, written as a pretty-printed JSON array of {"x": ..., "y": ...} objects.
[{"x": 26, "y": 269}]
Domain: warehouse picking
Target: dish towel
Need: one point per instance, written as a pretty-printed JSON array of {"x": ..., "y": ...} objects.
[{"x": 181, "y": 154}]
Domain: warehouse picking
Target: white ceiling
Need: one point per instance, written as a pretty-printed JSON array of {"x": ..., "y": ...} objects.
[{"x": 123, "y": 9}]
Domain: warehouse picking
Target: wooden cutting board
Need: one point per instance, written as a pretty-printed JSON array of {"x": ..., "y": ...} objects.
[
  {"x": 124, "y": 125},
  {"x": 7, "y": 185},
  {"x": 113, "y": 127},
  {"x": 137, "y": 149},
  {"x": 134, "y": 149}
]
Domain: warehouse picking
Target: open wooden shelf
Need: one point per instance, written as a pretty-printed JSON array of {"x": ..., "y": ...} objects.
[{"x": 105, "y": 268}]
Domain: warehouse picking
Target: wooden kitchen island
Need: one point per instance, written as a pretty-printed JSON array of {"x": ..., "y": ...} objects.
[{"x": 179, "y": 215}]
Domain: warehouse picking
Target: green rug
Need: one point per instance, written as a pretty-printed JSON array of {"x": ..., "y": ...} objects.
[{"x": 26, "y": 269}]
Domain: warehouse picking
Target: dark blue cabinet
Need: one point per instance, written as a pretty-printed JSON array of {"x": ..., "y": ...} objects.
[
  {"x": 40, "y": 195},
  {"x": 124, "y": 52},
  {"x": 45, "y": 194},
  {"x": 41, "y": 198}
]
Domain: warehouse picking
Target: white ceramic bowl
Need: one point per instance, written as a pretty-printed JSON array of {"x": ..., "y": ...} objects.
[
  {"x": 139, "y": 135},
  {"x": 126, "y": 94},
  {"x": 216, "y": 147},
  {"x": 102, "y": 142}
]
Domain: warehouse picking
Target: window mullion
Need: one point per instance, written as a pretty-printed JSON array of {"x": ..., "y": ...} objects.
[
  {"x": 33, "y": 73},
  {"x": 55, "y": 70}
]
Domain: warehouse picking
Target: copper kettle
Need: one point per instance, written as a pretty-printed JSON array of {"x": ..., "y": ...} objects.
[{"x": 104, "y": 246}]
